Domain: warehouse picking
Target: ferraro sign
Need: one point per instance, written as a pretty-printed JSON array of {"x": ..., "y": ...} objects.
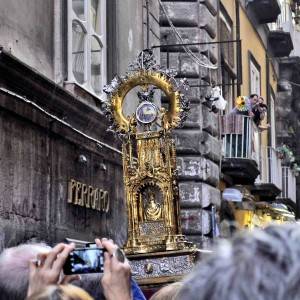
[{"x": 85, "y": 195}]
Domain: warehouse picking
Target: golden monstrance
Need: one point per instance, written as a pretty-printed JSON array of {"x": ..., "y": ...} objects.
[{"x": 155, "y": 246}]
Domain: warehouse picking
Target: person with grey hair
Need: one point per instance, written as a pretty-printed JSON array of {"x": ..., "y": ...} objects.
[
  {"x": 260, "y": 265},
  {"x": 90, "y": 283},
  {"x": 14, "y": 269},
  {"x": 116, "y": 278}
]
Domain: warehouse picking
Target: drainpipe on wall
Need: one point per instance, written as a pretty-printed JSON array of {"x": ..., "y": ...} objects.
[
  {"x": 148, "y": 24},
  {"x": 268, "y": 94},
  {"x": 112, "y": 32},
  {"x": 239, "y": 50}
]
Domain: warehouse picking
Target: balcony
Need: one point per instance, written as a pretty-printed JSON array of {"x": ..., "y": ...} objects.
[
  {"x": 241, "y": 149},
  {"x": 288, "y": 184},
  {"x": 288, "y": 194},
  {"x": 266, "y": 11},
  {"x": 268, "y": 185},
  {"x": 281, "y": 42},
  {"x": 279, "y": 37}
]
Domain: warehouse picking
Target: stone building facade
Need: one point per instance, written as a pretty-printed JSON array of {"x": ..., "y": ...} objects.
[
  {"x": 52, "y": 125},
  {"x": 265, "y": 175},
  {"x": 198, "y": 142},
  {"x": 55, "y": 58}
]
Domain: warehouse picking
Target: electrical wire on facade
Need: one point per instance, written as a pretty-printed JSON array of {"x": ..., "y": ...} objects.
[
  {"x": 187, "y": 50},
  {"x": 293, "y": 83},
  {"x": 98, "y": 143}
]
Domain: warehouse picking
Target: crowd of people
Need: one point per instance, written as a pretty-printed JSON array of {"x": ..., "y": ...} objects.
[
  {"x": 252, "y": 106},
  {"x": 263, "y": 265},
  {"x": 34, "y": 272}
]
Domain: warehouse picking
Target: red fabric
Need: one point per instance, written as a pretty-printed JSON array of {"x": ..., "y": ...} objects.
[{"x": 232, "y": 124}]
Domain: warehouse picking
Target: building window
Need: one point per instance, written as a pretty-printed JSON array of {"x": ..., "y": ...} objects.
[
  {"x": 254, "y": 76},
  {"x": 272, "y": 121},
  {"x": 226, "y": 32},
  {"x": 227, "y": 58},
  {"x": 87, "y": 44},
  {"x": 228, "y": 87}
]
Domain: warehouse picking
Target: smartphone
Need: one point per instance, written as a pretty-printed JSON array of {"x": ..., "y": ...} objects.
[{"x": 84, "y": 261}]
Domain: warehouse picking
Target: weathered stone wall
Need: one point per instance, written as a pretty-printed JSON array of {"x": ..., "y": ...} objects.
[
  {"x": 198, "y": 146},
  {"x": 39, "y": 155},
  {"x": 36, "y": 165}
]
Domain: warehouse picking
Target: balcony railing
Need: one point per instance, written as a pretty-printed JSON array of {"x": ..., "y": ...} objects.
[
  {"x": 288, "y": 184},
  {"x": 285, "y": 19},
  {"x": 275, "y": 169},
  {"x": 280, "y": 35},
  {"x": 241, "y": 137},
  {"x": 242, "y": 141},
  {"x": 270, "y": 167}
]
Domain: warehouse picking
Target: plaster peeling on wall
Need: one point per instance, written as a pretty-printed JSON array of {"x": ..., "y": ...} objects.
[
  {"x": 189, "y": 67},
  {"x": 130, "y": 40},
  {"x": 193, "y": 195},
  {"x": 193, "y": 168},
  {"x": 195, "y": 221}
]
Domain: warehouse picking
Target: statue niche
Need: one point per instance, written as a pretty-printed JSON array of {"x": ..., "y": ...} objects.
[
  {"x": 150, "y": 204},
  {"x": 153, "y": 211}
]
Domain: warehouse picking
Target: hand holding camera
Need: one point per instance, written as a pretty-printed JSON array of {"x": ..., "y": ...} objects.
[
  {"x": 46, "y": 269},
  {"x": 106, "y": 258},
  {"x": 117, "y": 272}
]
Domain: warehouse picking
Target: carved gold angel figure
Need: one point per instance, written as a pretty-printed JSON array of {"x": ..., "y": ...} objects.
[{"x": 153, "y": 210}]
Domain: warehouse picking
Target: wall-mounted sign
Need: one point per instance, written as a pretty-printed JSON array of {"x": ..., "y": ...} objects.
[{"x": 88, "y": 196}]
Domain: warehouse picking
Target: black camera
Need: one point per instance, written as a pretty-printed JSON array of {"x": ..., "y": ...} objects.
[{"x": 84, "y": 261}]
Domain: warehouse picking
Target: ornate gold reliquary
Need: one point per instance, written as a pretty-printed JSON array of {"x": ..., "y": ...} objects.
[{"x": 149, "y": 156}]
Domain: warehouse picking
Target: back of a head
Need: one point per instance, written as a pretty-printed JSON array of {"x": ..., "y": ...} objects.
[
  {"x": 260, "y": 265},
  {"x": 168, "y": 292},
  {"x": 14, "y": 269},
  {"x": 61, "y": 292},
  {"x": 91, "y": 284}
]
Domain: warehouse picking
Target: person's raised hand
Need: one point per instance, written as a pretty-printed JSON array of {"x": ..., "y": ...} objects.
[
  {"x": 116, "y": 276},
  {"x": 47, "y": 268}
]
